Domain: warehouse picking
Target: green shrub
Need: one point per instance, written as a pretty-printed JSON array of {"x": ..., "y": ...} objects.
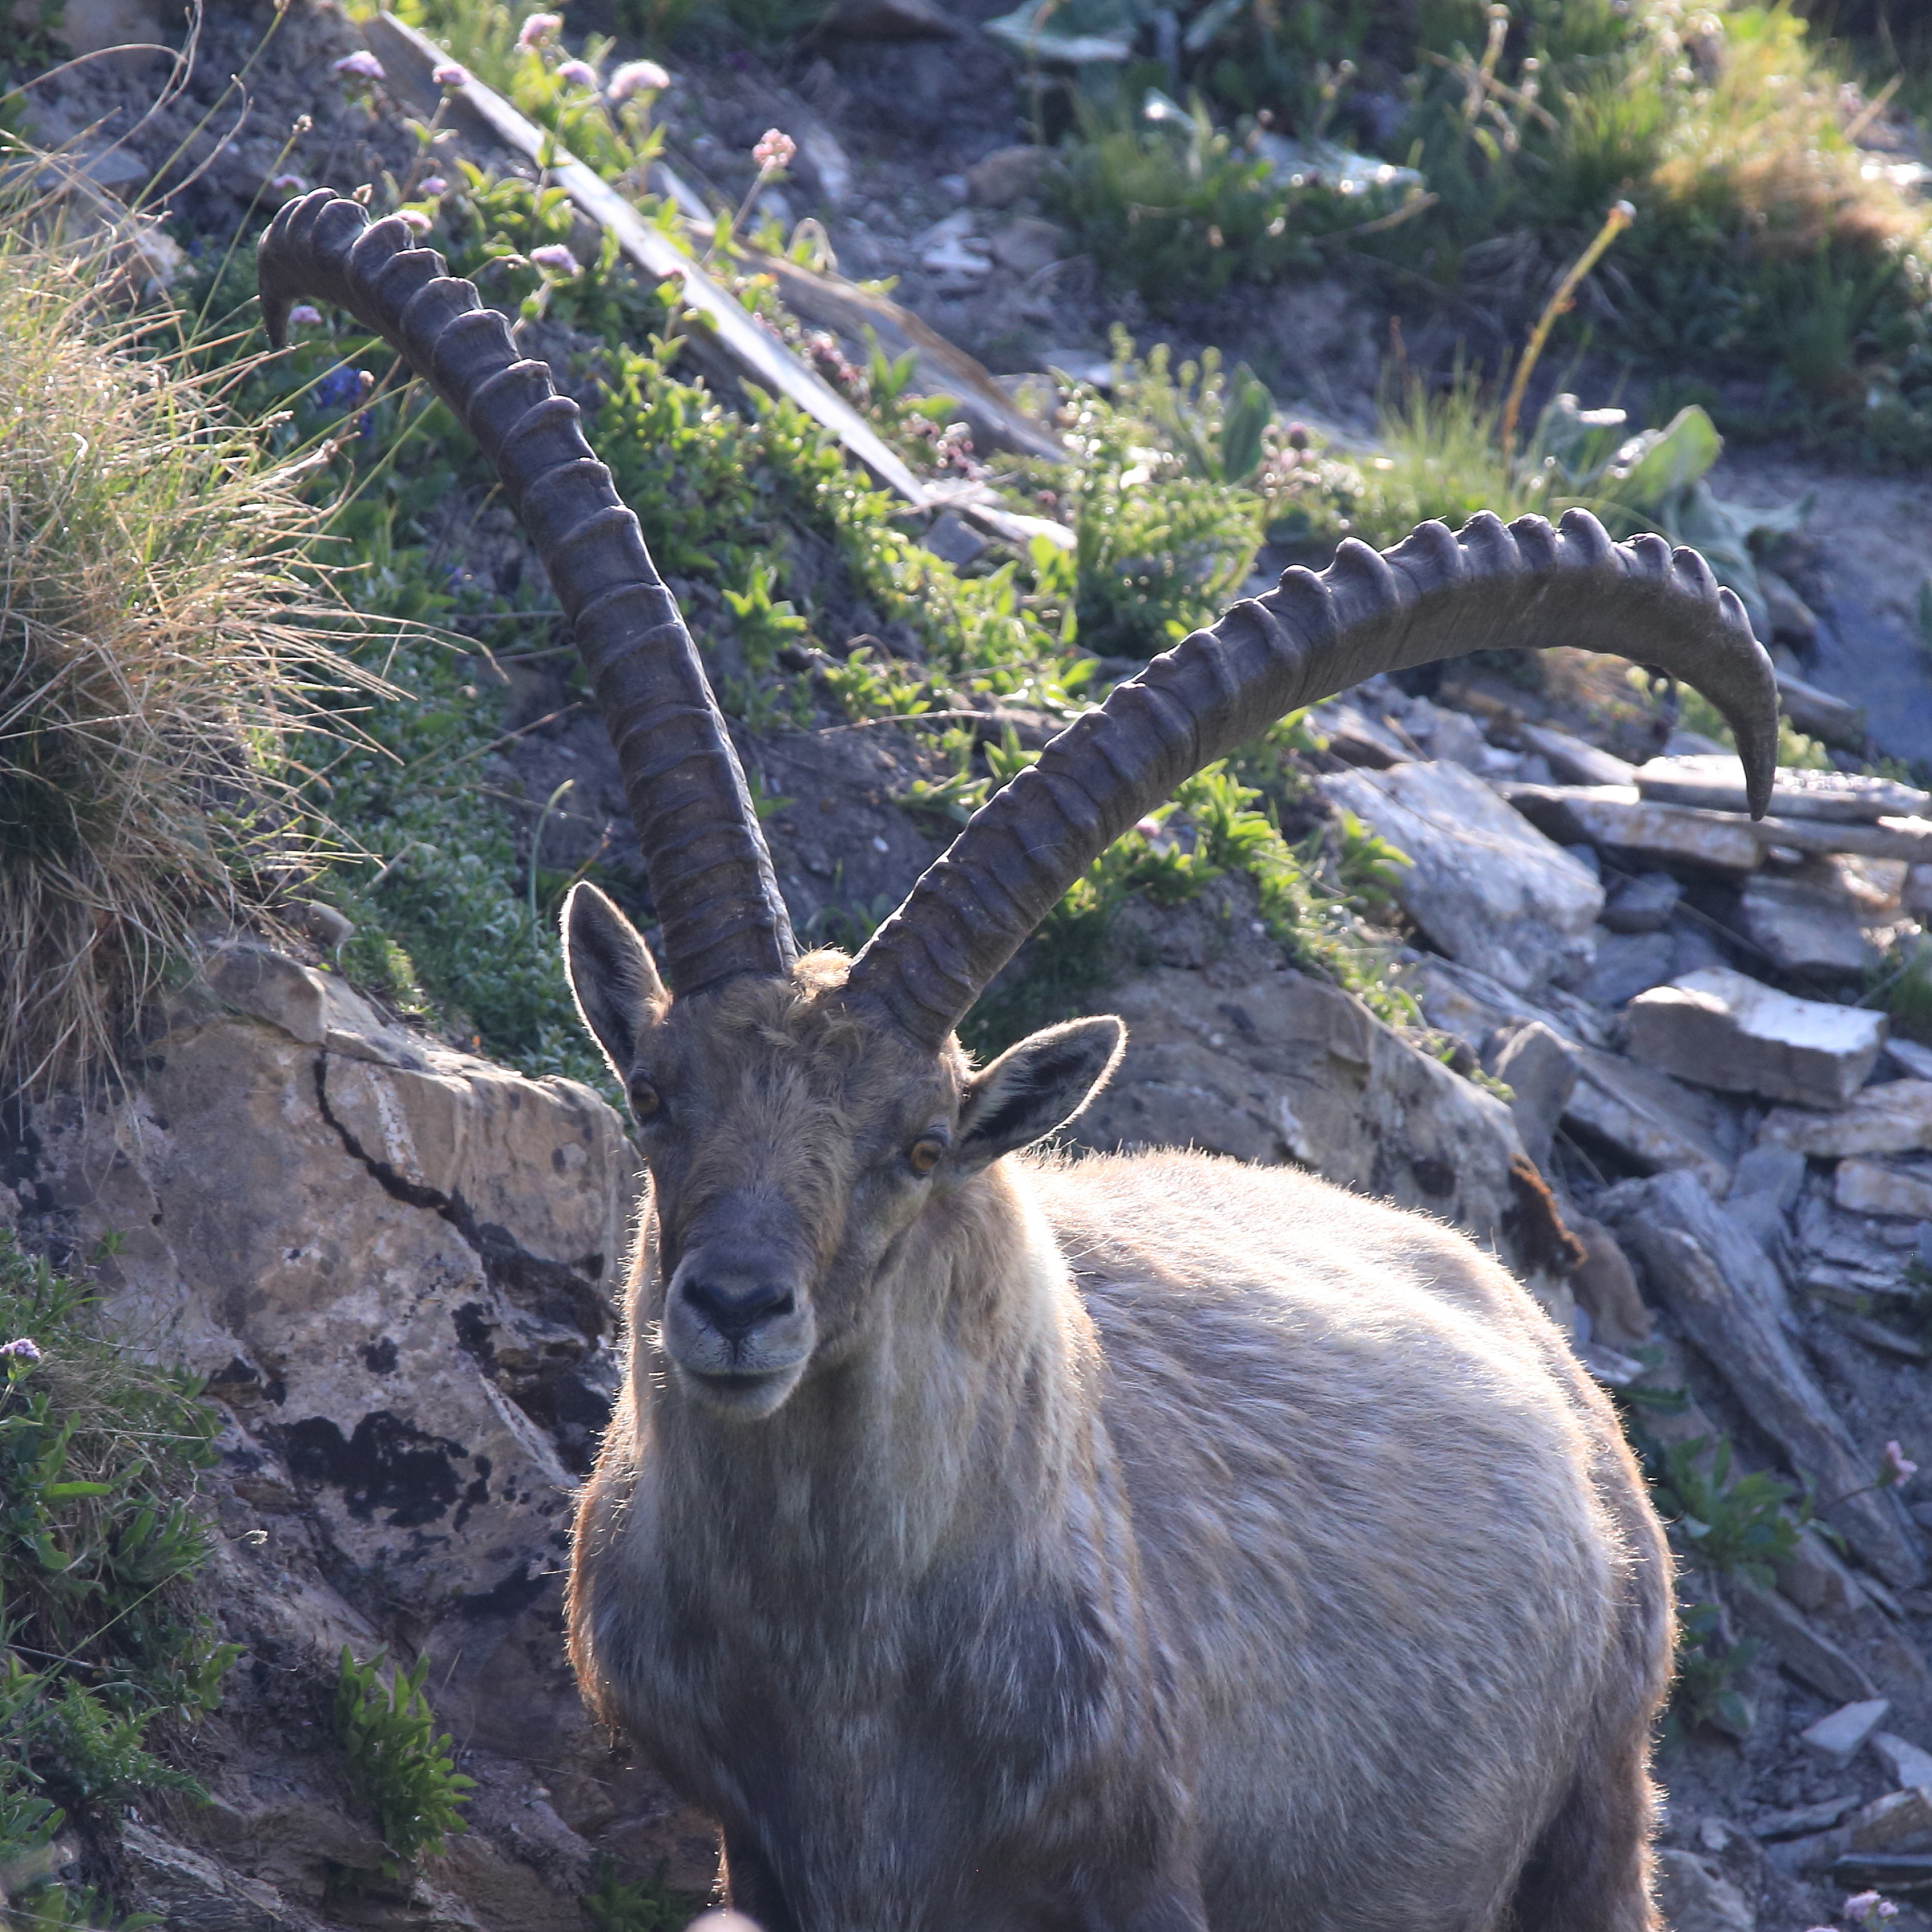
[
  {"x": 108, "y": 1656},
  {"x": 400, "y": 1767},
  {"x": 1705, "y": 1690},
  {"x": 652, "y": 1907},
  {"x": 1743, "y": 1526},
  {"x": 1164, "y": 534},
  {"x": 1765, "y": 245}
]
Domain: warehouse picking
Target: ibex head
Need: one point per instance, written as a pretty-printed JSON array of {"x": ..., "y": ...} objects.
[
  {"x": 799, "y": 1118},
  {"x": 794, "y": 1135}
]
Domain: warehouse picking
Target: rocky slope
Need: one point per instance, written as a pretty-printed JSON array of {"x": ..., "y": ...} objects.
[{"x": 396, "y": 1261}]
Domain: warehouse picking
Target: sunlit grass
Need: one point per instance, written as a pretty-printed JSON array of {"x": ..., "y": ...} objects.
[{"x": 161, "y": 626}]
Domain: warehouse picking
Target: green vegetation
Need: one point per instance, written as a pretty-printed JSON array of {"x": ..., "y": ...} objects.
[
  {"x": 1766, "y": 244},
  {"x": 655, "y": 1906},
  {"x": 106, "y": 1659},
  {"x": 400, "y": 1767},
  {"x": 1706, "y": 1691},
  {"x": 1730, "y": 1525},
  {"x": 1740, "y": 1526}
]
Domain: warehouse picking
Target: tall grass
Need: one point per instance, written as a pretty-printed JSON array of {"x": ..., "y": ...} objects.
[{"x": 162, "y": 627}]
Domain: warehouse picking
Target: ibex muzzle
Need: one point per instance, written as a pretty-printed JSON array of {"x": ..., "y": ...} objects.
[{"x": 997, "y": 1544}]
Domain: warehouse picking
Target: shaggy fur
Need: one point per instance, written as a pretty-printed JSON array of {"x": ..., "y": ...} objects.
[{"x": 1145, "y": 1544}]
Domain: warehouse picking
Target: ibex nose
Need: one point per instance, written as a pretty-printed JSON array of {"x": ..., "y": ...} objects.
[{"x": 734, "y": 1311}]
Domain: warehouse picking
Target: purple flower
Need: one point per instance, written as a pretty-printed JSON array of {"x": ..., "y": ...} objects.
[
  {"x": 338, "y": 389},
  {"x": 289, "y": 184},
  {"x": 20, "y": 1350},
  {"x": 578, "y": 73},
  {"x": 538, "y": 28},
  {"x": 774, "y": 151},
  {"x": 450, "y": 73},
  {"x": 1894, "y": 1467},
  {"x": 556, "y": 258},
  {"x": 637, "y": 77},
  {"x": 305, "y": 315},
  {"x": 360, "y": 65},
  {"x": 434, "y": 185}
]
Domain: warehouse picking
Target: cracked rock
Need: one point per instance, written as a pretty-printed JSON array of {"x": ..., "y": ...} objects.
[
  {"x": 1487, "y": 888},
  {"x": 1721, "y": 1029}
]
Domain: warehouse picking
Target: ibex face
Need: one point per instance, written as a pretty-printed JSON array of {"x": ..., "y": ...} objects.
[{"x": 794, "y": 1140}]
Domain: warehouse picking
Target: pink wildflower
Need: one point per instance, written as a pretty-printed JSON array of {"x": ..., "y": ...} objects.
[
  {"x": 638, "y": 76},
  {"x": 450, "y": 73},
  {"x": 413, "y": 219},
  {"x": 20, "y": 1350},
  {"x": 305, "y": 315},
  {"x": 289, "y": 184},
  {"x": 434, "y": 185},
  {"x": 538, "y": 28},
  {"x": 1895, "y": 1467},
  {"x": 773, "y": 151},
  {"x": 360, "y": 65},
  {"x": 1148, "y": 826},
  {"x": 555, "y": 257},
  {"x": 577, "y": 73}
]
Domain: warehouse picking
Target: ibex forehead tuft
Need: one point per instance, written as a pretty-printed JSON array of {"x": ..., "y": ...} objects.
[{"x": 1133, "y": 1546}]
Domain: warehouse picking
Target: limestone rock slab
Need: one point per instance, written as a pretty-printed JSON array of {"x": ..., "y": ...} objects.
[
  {"x": 1617, "y": 816},
  {"x": 1655, "y": 1123},
  {"x": 1838, "y": 1736},
  {"x": 1716, "y": 781},
  {"x": 1804, "y": 926},
  {"x": 1877, "y": 1188},
  {"x": 1724, "y": 1030},
  {"x": 1643, "y": 904},
  {"x": 1487, "y": 888},
  {"x": 1911, "y": 1767},
  {"x": 1894, "y": 1118},
  {"x": 1572, "y": 759},
  {"x": 345, "y": 1243},
  {"x": 1695, "y": 1896}
]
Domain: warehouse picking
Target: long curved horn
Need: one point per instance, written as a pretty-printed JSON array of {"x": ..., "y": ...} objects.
[
  {"x": 1435, "y": 595},
  {"x": 710, "y": 871}
]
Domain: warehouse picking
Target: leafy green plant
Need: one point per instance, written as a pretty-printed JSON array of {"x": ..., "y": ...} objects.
[
  {"x": 1167, "y": 201},
  {"x": 108, "y": 1655},
  {"x": 1706, "y": 1689},
  {"x": 616, "y": 1906},
  {"x": 1163, "y": 534},
  {"x": 401, "y": 1768},
  {"x": 1744, "y": 1527}
]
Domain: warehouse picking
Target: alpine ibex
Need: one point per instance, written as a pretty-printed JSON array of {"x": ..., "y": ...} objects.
[{"x": 1009, "y": 1544}]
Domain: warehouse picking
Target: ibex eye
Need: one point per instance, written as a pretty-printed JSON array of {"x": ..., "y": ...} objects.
[
  {"x": 925, "y": 1153},
  {"x": 645, "y": 1100}
]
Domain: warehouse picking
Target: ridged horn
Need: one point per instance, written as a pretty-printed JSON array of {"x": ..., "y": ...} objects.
[
  {"x": 1437, "y": 594},
  {"x": 710, "y": 870}
]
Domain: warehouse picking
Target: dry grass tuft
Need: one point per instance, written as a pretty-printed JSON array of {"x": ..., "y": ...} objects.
[{"x": 162, "y": 631}]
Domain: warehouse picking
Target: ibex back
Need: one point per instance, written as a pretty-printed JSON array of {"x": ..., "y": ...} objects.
[{"x": 1002, "y": 1544}]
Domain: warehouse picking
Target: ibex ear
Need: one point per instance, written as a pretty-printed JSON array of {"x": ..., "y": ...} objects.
[
  {"x": 612, "y": 974},
  {"x": 1035, "y": 1087}
]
